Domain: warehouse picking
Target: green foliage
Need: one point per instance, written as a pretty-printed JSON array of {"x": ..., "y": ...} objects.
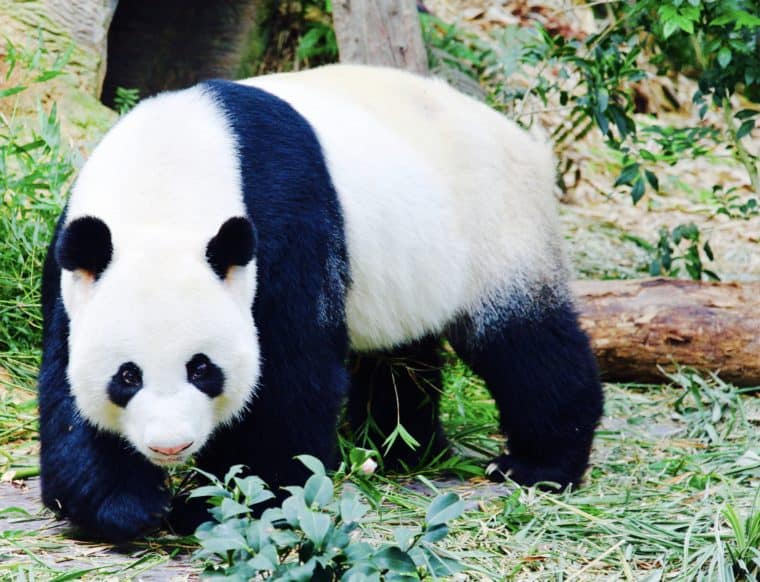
[
  {"x": 36, "y": 64},
  {"x": 515, "y": 515},
  {"x": 313, "y": 535},
  {"x": 745, "y": 549},
  {"x": 317, "y": 44},
  {"x": 601, "y": 66},
  {"x": 730, "y": 203},
  {"x": 467, "y": 429},
  {"x": 455, "y": 54},
  {"x": 596, "y": 81},
  {"x": 596, "y": 76},
  {"x": 34, "y": 173},
  {"x": 710, "y": 407},
  {"x": 680, "y": 248},
  {"x": 718, "y": 37},
  {"x": 661, "y": 144},
  {"x": 125, "y": 99},
  {"x": 722, "y": 39}
]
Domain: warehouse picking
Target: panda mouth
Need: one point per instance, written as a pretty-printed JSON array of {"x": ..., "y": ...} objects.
[
  {"x": 171, "y": 451},
  {"x": 170, "y": 455},
  {"x": 166, "y": 460}
]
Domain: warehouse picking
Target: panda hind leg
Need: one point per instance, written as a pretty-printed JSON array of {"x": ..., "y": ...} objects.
[
  {"x": 402, "y": 386},
  {"x": 539, "y": 368}
]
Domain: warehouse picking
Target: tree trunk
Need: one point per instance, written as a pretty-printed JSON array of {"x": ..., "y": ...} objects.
[
  {"x": 636, "y": 326},
  {"x": 380, "y": 32}
]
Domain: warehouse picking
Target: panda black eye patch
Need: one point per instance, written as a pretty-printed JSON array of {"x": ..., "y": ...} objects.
[
  {"x": 205, "y": 375},
  {"x": 125, "y": 383}
]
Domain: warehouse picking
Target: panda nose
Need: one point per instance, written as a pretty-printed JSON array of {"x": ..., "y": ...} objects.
[{"x": 171, "y": 451}]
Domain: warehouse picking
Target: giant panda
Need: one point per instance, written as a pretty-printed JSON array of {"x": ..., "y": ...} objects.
[{"x": 228, "y": 247}]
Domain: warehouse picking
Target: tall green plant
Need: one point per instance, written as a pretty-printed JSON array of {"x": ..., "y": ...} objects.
[{"x": 34, "y": 172}]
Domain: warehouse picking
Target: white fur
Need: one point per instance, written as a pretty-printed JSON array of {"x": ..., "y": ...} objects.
[
  {"x": 448, "y": 209},
  {"x": 163, "y": 180},
  {"x": 449, "y": 206}
]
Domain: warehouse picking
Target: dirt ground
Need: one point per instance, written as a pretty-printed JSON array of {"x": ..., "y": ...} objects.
[{"x": 57, "y": 545}]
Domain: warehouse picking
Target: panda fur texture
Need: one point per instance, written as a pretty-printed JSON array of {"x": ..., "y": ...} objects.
[{"x": 357, "y": 210}]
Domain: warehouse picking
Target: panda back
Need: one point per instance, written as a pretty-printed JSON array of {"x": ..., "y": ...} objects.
[{"x": 446, "y": 203}]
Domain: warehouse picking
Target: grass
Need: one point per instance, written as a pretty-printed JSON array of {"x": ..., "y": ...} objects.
[{"x": 673, "y": 492}]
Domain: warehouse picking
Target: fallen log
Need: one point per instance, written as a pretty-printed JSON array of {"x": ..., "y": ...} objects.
[{"x": 636, "y": 326}]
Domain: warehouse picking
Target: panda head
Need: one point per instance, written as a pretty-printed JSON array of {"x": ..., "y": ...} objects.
[{"x": 162, "y": 344}]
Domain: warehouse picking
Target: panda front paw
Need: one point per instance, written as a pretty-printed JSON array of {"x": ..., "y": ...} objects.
[
  {"x": 552, "y": 477},
  {"x": 123, "y": 515},
  {"x": 187, "y": 514}
]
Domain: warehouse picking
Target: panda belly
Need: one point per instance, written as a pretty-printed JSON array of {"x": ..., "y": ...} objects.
[{"x": 429, "y": 237}]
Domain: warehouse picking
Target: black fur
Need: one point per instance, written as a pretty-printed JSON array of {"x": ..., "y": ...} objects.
[
  {"x": 543, "y": 376},
  {"x": 537, "y": 364},
  {"x": 121, "y": 390},
  {"x": 85, "y": 244},
  {"x": 233, "y": 245},
  {"x": 301, "y": 263},
  {"x": 205, "y": 375}
]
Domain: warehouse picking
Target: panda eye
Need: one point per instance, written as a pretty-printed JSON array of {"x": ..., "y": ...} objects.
[
  {"x": 198, "y": 368},
  {"x": 124, "y": 384},
  {"x": 205, "y": 375},
  {"x": 130, "y": 375}
]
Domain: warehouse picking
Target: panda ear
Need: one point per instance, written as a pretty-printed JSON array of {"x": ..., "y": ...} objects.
[
  {"x": 233, "y": 246},
  {"x": 85, "y": 245}
]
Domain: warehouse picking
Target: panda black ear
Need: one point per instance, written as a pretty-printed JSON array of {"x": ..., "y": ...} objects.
[
  {"x": 85, "y": 244},
  {"x": 233, "y": 246}
]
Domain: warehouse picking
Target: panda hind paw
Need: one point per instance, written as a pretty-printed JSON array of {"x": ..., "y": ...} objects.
[{"x": 550, "y": 477}]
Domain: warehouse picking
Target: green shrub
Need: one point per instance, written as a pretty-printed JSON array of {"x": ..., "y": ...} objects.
[{"x": 313, "y": 535}]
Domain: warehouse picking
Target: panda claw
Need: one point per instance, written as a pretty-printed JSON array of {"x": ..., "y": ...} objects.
[{"x": 526, "y": 472}]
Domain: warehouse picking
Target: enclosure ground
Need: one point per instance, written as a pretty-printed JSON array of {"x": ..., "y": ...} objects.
[
  {"x": 672, "y": 463},
  {"x": 665, "y": 470}
]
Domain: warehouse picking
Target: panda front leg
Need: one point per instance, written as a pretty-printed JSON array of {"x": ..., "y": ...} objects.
[
  {"x": 538, "y": 365},
  {"x": 93, "y": 478}
]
